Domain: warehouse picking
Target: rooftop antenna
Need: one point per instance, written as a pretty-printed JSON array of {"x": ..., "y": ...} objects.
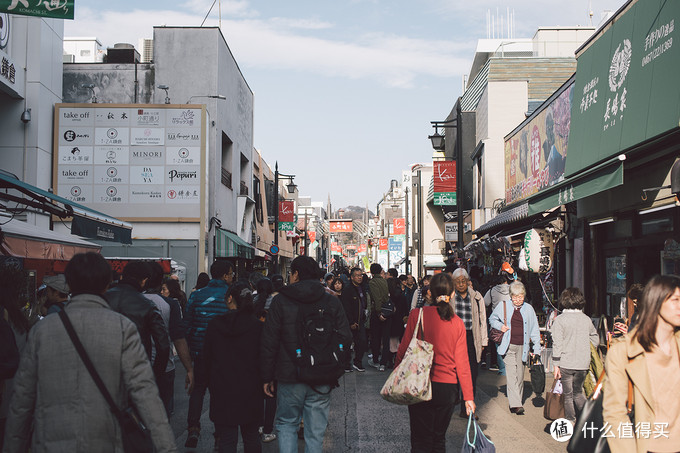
[{"x": 590, "y": 12}]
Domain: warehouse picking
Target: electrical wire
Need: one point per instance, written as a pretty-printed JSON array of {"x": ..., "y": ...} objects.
[{"x": 206, "y": 16}]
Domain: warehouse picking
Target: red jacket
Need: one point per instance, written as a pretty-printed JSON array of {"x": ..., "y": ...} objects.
[{"x": 450, "y": 363}]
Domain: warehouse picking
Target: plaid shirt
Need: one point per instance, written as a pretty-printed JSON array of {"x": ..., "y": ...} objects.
[{"x": 464, "y": 310}]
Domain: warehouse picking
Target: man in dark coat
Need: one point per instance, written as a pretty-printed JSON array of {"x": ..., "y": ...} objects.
[
  {"x": 127, "y": 299},
  {"x": 353, "y": 300},
  {"x": 279, "y": 341}
]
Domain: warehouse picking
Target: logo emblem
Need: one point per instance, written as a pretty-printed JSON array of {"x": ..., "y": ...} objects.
[
  {"x": 561, "y": 430},
  {"x": 111, "y": 191},
  {"x": 111, "y": 155},
  {"x": 4, "y": 30},
  {"x": 76, "y": 191},
  {"x": 112, "y": 133},
  {"x": 172, "y": 194},
  {"x": 69, "y": 135},
  {"x": 183, "y": 153},
  {"x": 620, "y": 65},
  {"x": 111, "y": 172}
]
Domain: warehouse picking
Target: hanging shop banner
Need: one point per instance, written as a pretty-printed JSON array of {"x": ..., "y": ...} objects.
[
  {"x": 341, "y": 226},
  {"x": 395, "y": 245},
  {"x": 362, "y": 248},
  {"x": 287, "y": 226},
  {"x": 626, "y": 89},
  {"x": 350, "y": 247},
  {"x": 383, "y": 244},
  {"x": 445, "y": 183},
  {"x": 58, "y": 9},
  {"x": 311, "y": 235},
  {"x": 538, "y": 250},
  {"x": 399, "y": 226},
  {"x": 286, "y": 211},
  {"x": 536, "y": 152}
]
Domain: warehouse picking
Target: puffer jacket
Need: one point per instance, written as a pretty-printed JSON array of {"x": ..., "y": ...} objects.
[
  {"x": 279, "y": 337},
  {"x": 57, "y": 407},
  {"x": 126, "y": 298},
  {"x": 203, "y": 305}
]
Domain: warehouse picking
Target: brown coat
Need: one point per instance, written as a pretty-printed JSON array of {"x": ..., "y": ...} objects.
[{"x": 615, "y": 392}]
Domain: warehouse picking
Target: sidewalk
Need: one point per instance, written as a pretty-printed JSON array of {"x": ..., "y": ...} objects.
[{"x": 361, "y": 421}]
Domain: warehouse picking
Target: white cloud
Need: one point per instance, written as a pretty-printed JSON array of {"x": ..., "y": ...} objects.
[{"x": 391, "y": 59}]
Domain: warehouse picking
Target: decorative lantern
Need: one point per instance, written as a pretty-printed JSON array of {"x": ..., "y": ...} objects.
[{"x": 538, "y": 250}]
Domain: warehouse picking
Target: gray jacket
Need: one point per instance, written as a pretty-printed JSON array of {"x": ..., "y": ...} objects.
[
  {"x": 572, "y": 332},
  {"x": 54, "y": 392}
]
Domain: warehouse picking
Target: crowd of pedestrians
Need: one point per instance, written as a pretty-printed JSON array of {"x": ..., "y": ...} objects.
[{"x": 270, "y": 352}]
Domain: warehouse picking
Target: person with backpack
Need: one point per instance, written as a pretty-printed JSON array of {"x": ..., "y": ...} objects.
[{"x": 303, "y": 346}]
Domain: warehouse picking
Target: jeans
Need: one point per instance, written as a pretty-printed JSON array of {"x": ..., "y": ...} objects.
[
  {"x": 380, "y": 334},
  {"x": 296, "y": 401},
  {"x": 501, "y": 364},
  {"x": 166, "y": 390},
  {"x": 430, "y": 420},
  {"x": 197, "y": 395},
  {"x": 572, "y": 388},
  {"x": 228, "y": 438},
  {"x": 359, "y": 339}
]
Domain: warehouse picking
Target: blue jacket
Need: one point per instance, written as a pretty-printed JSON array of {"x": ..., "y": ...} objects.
[
  {"x": 530, "y": 327},
  {"x": 203, "y": 305}
]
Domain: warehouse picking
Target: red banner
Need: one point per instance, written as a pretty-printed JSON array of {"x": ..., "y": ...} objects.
[
  {"x": 362, "y": 248},
  {"x": 445, "y": 176},
  {"x": 399, "y": 226},
  {"x": 335, "y": 247},
  {"x": 286, "y": 211},
  {"x": 383, "y": 244},
  {"x": 311, "y": 235},
  {"x": 351, "y": 247},
  {"x": 341, "y": 226}
]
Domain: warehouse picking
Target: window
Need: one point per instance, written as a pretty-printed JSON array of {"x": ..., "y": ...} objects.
[
  {"x": 85, "y": 53},
  {"x": 227, "y": 151},
  {"x": 257, "y": 195}
]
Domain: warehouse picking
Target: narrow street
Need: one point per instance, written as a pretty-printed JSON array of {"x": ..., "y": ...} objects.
[{"x": 361, "y": 421}]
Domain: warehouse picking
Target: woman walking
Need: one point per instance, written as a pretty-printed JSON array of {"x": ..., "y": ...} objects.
[
  {"x": 649, "y": 357},
  {"x": 572, "y": 333},
  {"x": 514, "y": 348},
  {"x": 450, "y": 368},
  {"x": 231, "y": 357}
]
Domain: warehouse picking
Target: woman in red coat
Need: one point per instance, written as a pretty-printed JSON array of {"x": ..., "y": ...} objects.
[{"x": 450, "y": 368}]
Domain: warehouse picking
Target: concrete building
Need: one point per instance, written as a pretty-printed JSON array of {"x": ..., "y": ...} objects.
[
  {"x": 83, "y": 50},
  {"x": 196, "y": 67}
]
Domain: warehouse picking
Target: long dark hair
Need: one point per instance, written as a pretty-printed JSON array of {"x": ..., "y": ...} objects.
[
  {"x": 656, "y": 292},
  {"x": 394, "y": 288},
  {"x": 243, "y": 297},
  {"x": 175, "y": 290},
  {"x": 202, "y": 280},
  {"x": 441, "y": 288}
]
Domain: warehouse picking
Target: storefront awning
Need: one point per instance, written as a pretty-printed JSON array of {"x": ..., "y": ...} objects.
[
  {"x": 230, "y": 245},
  {"x": 578, "y": 187},
  {"x": 86, "y": 222},
  {"x": 22, "y": 240},
  {"x": 433, "y": 261},
  {"x": 511, "y": 215}
]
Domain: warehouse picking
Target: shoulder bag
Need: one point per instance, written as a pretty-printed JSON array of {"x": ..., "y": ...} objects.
[
  {"x": 136, "y": 436},
  {"x": 409, "y": 383},
  {"x": 495, "y": 334}
]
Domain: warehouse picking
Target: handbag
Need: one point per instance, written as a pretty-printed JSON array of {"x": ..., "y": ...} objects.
[
  {"x": 136, "y": 436},
  {"x": 495, "y": 334},
  {"x": 387, "y": 309},
  {"x": 409, "y": 382},
  {"x": 479, "y": 443},
  {"x": 537, "y": 372},
  {"x": 554, "y": 403},
  {"x": 587, "y": 437}
]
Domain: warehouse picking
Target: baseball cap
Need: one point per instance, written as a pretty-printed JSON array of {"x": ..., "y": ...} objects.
[
  {"x": 505, "y": 267},
  {"x": 57, "y": 282}
]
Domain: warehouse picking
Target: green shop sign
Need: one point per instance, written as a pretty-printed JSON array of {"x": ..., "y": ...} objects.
[
  {"x": 286, "y": 226},
  {"x": 58, "y": 9},
  {"x": 626, "y": 88},
  {"x": 445, "y": 198}
]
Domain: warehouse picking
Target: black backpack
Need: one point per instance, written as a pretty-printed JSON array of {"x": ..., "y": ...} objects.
[{"x": 319, "y": 356}]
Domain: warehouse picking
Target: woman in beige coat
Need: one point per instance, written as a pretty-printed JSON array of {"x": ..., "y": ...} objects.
[{"x": 650, "y": 358}]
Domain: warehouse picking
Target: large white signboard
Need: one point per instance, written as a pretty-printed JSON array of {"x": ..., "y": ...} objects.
[{"x": 130, "y": 161}]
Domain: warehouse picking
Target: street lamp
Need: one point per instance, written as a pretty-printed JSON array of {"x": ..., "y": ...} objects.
[
  {"x": 212, "y": 96},
  {"x": 165, "y": 88},
  {"x": 291, "y": 189},
  {"x": 439, "y": 144}
]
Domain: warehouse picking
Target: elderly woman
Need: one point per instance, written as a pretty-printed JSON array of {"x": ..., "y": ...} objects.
[
  {"x": 649, "y": 357},
  {"x": 522, "y": 326}
]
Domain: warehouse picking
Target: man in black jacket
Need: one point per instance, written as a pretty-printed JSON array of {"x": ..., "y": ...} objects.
[
  {"x": 279, "y": 342},
  {"x": 353, "y": 300},
  {"x": 127, "y": 299}
]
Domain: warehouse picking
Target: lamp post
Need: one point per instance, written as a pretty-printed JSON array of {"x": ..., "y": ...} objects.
[
  {"x": 438, "y": 143},
  {"x": 291, "y": 189}
]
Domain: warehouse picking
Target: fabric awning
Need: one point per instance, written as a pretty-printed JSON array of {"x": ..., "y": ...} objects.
[
  {"x": 577, "y": 187},
  {"x": 229, "y": 245},
  {"x": 506, "y": 217},
  {"x": 87, "y": 222},
  {"x": 434, "y": 261},
  {"x": 20, "y": 239}
]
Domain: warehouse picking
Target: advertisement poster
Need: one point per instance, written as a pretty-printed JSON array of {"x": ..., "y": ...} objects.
[
  {"x": 445, "y": 183},
  {"x": 286, "y": 216},
  {"x": 535, "y": 155}
]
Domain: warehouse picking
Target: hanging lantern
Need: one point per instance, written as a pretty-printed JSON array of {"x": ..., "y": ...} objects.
[{"x": 538, "y": 250}]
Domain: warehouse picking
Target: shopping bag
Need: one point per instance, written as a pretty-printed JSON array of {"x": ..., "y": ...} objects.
[
  {"x": 479, "y": 442},
  {"x": 409, "y": 383},
  {"x": 554, "y": 402},
  {"x": 537, "y": 372}
]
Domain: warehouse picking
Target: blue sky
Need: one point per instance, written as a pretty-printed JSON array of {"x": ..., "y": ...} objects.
[{"x": 344, "y": 89}]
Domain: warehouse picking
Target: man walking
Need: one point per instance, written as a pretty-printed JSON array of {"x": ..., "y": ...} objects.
[
  {"x": 353, "y": 300},
  {"x": 280, "y": 346},
  {"x": 56, "y": 404},
  {"x": 380, "y": 332},
  {"x": 56, "y": 293},
  {"x": 203, "y": 305},
  {"x": 469, "y": 306}
]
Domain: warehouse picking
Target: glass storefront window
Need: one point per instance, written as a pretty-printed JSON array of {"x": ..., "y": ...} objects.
[{"x": 660, "y": 222}]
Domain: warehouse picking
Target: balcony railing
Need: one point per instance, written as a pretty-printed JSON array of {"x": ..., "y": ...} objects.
[
  {"x": 226, "y": 177},
  {"x": 243, "y": 189}
]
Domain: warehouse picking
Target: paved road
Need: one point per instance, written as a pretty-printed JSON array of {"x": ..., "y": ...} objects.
[{"x": 361, "y": 421}]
